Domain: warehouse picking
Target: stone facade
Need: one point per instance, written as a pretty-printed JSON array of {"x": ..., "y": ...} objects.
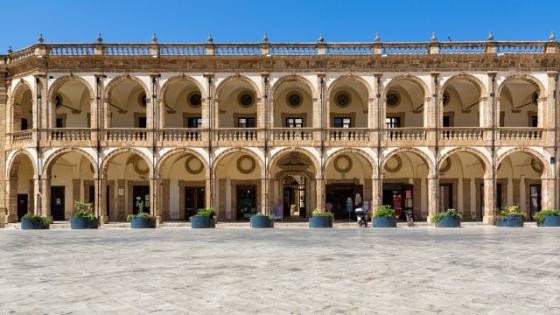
[{"x": 279, "y": 128}]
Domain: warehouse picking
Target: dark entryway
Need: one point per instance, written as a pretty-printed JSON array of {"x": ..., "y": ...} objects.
[
  {"x": 246, "y": 201},
  {"x": 294, "y": 197},
  {"x": 194, "y": 200},
  {"x": 445, "y": 197},
  {"x": 22, "y": 205},
  {"x": 140, "y": 195},
  {"x": 57, "y": 203},
  {"x": 344, "y": 198},
  {"x": 399, "y": 197},
  {"x": 534, "y": 199}
]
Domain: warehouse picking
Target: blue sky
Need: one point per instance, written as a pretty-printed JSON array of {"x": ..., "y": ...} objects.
[{"x": 286, "y": 20}]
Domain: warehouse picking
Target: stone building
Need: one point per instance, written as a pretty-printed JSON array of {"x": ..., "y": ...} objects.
[{"x": 279, "y": 128}]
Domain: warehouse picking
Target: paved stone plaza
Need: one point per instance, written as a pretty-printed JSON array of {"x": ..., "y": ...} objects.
[{"x": 473, "y": 270}]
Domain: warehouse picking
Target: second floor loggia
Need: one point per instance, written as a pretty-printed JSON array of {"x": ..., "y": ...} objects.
[{"x": 294, "y": 112}]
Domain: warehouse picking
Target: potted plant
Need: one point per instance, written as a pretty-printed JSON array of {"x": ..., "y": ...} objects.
[
  {"x": 259, "y": 221},
  {"x": 321, "y": 219},
  {"x": 142, "y": 220},
  {"x": 34, "y": 222},
  {"x": 510, "y": 216},
  {"x": 204, "y": 218},
  {"x": 448, "y": 219},
  {"x": 83, "y": 217},
  {"x": 548, "y": 218},
  {"x": 384, "y": 217}
]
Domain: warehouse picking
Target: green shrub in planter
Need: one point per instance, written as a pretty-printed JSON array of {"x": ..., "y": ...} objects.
[
  {"x": 321, "y": 219},
  {"x": 510, "y": 216},
  {"x": 204, "y": 218},
  {"x": 83, "y": 217},
  {"x": 384, "y": 217},
  {"x": 450, "y": 218},
  {"x": 142, "y": 220},
  {"x": 548, "y": 218},
  {"x": 34, "y": 222}
]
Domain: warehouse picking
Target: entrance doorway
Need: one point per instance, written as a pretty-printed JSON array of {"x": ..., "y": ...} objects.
[
  {"x": 343, "y": 199},
  {"x": 140, "y": 195},
  {"x": 445, "y": 197},
  {"x": 399, "y": 197},
  {"x": 22, "y": 205},
  {"x": 57, "y": 203},
  {"x": 246, "y": 201},
  {"x": 194, "y": 200},
  {"x": 294, "y": 200},
  {"x": 535, "y": 199}
]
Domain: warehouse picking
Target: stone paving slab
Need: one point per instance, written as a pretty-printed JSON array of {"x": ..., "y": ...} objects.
[{"x": 473, "y": 270}]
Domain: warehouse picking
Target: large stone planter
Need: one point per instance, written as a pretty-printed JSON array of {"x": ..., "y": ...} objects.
[
  {"x": 261, "y": 221},
  {"x": 551, "y": 221},
  {"x": 81, "y": 223},
  {"x": 142, "y": 223},
  {"x": 202, "y": 222},
  {"x": 321, "y": 222},
  {"x": 449, "y": 222},
  {"x": 510, "y": 221},
  {"x": 384, "y": 222},
  {"x": 27, "y": 224}
]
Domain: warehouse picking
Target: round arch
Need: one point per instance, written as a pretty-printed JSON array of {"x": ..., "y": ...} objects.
[
  {"x": 468, "y": 77},
  {"x": 176, "y": 151},
  {"x": 19, "y": 89},
  {"x": 360, "y": 152},
  {"x": 547, "y": 172},
  {"x": 113, "y": 154},
  {"x": 487, "y": 165},
  {"x": 58, "y": 153},
  {"x": 229, "y": 151},
  {"x": 526, "y": 77},
  {"x": 350, "y": 77},
  {"x": 293, "y": 78},
  {"x": 285, "y": 151},
  {"x": 407, "y": 77},
  {"x": 419, "y": 153},
  {"x": 15, "y": 156},
  {"x": 121, "y": 78},
  {"x": 181, "y": 78},
  {"x": 58, "y": 83},
  {"x": 234, "y": 78}
]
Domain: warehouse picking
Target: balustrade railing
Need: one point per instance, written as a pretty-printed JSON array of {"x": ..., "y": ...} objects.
[
  {"x": 238, "y": 50},
  {"x": 72, "y": 50},
  {"x": 236, "y": 134},
  {"x": 461, "y": 134},
  {"x": 348, "y": 135},
  {"x": 520, "y": 134},
  {"x": 126, "y": 134},
  {"x": 69, "y": 134},
  {"x": 126, "y": 50},
  {"x": 293, "y": 50},
  {"x": 182, "y": 50},
  {"x": 180, "y": 134},
  {"x": 292, "y": 134},
  {"x": 465, "y": 48},
  {"x": 22, "y": 136},
  {"x": 391, "y": 49},
  {"x": 405, "y": 134},
  {"x": 520, "y": 48}
]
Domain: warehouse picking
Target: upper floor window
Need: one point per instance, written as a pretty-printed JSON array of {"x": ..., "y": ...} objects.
[
  {"x": 246, "y": 122},
  {"x": 294, "y": 122},
  {"x": 193, "y": 122},
  {"x": 342, "y": 122},
  {"x": 393, "y": 122}
]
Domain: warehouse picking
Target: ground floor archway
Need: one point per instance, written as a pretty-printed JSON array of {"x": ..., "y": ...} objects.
[{"x": 22, "y": 188}]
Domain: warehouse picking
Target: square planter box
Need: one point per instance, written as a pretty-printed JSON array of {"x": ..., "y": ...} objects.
[
  {"x": 551, "y": 221},
  {"x": 261, "y": 221},
  {"x": 510, "y": 221},
  {"x": 320, "y": 222},
  {"x": 384, "y": 222},
  {"x": 202, "y": 222},
  {"x": 449, "y": 222},
  {"x": 27, "y": 224}
]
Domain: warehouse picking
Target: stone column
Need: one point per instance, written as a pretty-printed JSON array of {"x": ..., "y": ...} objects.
[
  {"x": 207, "y": 194},
  {"x": 432, "y": 110},
  {"x": 45, "y": 185},
  {"x": 101, "y": 200},
  {"x": 264, "y": 198},
  {"x": 433, "y": 202},
  {"x": 154, "y": 195},
  {"x": 489, "y": 201},
  {"x": 320, "y": 193},
  {"x": 376, "y": 196},
  {"x": 547, "y": 193}
]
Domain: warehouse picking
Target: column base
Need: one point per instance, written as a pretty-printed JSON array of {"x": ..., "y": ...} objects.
[
  {"x": 104, "y": 219},
  {"x": 159, "y": 219},
  {"x": 10, "y": 218},
  {"x": 429, "y": 218},
  {"x": 489, "y": 219}
]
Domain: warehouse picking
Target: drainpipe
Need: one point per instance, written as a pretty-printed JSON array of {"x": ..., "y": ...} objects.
[
  {"x": 266, "y": 197},
  {"x": 438, "y": 118},
  {"x": 98, "y": 145},
  {"x": 380, "y": 127},
  {"x": 493, "y": 95},
  {"x": 154, "y": 135},
  {"x": 555, "y": 141},
  {"x": 210, "y": 161},
  {"x": 38, "y": 99},
  {"x": 324, "y": 188}
]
